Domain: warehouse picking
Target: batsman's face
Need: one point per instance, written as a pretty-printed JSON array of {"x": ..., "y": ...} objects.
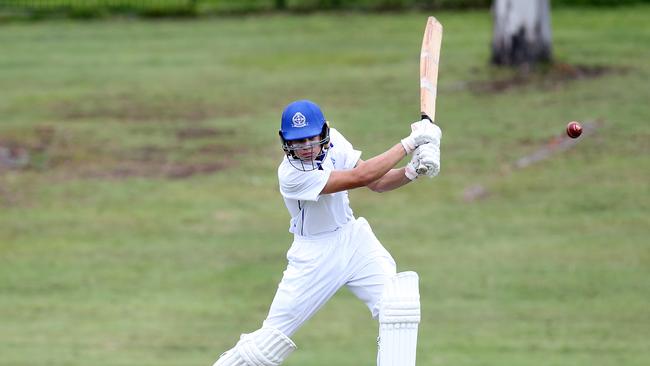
[{"x": 306, "y": 149}]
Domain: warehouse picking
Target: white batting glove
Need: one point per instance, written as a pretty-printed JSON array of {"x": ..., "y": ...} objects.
[
  {"x": 428, "y": 160},
  {"x": 410, "y": 171},
  {"x": 422, "y": 132}
]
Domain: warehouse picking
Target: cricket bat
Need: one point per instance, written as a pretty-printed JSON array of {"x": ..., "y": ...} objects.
[{"x": 429, "y": 57}]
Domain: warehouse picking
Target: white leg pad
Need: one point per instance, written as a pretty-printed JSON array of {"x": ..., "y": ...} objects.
[
  {"x": 399, "y": 316},
  {"x": 264, "y": 347}
]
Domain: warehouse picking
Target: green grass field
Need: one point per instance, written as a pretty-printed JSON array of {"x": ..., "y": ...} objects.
[{"x": 147, "y": 227}]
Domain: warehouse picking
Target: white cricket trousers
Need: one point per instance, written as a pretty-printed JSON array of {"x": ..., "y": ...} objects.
[{"x": 319, "y": 266}]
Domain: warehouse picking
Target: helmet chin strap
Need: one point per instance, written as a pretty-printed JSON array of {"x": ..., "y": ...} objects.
[{"x": 323, "y": 154}]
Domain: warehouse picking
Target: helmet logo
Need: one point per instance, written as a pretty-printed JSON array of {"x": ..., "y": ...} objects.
[{"x": 298, "y": 120}]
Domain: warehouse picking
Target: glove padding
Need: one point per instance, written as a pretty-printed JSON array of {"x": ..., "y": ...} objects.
[
  {"x": 428, "y": 156},
  {"x": 422, "y": 132},
  {"x": 425, "y": 161},
  {"x": 410, "y": 170}
]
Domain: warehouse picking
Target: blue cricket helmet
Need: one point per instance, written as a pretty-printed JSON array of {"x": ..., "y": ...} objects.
[{"x": 301, "y": 119}]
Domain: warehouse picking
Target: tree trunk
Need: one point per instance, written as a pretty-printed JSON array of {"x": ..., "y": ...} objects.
[{"x": 522, "y": 32}]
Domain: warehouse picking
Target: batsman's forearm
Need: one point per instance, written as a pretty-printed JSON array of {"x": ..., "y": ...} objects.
[
  {"x": 376, "y": 167},
  {"x": 394, "y": 179}
]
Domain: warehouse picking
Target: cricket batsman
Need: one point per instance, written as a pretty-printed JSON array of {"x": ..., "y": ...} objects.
[{"x": 331, "y": 248}]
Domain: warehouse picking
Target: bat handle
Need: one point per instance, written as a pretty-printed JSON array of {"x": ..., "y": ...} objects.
[{"x": 422, "y": 169}]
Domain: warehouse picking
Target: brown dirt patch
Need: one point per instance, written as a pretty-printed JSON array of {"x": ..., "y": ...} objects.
[
  {"x": 13, "y": 155},
  {"x": 140, "y": 169},
  {"x": 201, "y": 132},
  {"x": 17, "y": 154},
  {"x": 128, "y": 108},
  {"x": 158, "y": 162},
  {"x": 61, "y": 156},
  {"x": 544, "y": 77}
]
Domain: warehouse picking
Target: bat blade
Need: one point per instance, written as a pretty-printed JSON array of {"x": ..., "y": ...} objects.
[{"x": 429, "y": 58}]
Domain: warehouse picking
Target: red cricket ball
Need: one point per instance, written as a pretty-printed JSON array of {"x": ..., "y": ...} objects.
[{"x": 574, "y": 129}]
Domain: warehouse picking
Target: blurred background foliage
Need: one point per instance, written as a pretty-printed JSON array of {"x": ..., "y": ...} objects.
[{"x": 35, "y": 9}]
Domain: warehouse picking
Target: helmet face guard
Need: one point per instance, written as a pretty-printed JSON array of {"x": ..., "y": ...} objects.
[
  {"x": 303, "y": 120},
  {"x": 318, "y": 150}
]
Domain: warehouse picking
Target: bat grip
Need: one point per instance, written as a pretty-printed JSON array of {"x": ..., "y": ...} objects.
[{"x": 422, "y": 169}]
